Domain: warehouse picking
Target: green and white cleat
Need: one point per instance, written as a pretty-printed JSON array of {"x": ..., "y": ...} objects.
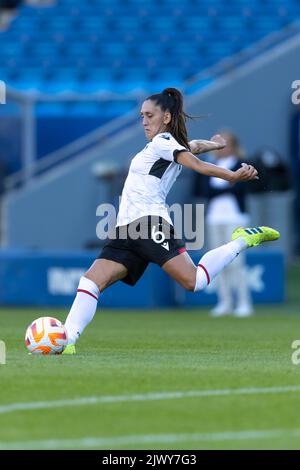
[
  {"x": 256, "y": 235},
  {"x": 69, "y": 349}
]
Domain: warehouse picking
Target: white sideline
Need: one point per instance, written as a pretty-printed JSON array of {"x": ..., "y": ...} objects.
[
  {"x": 110, "y": 442},
  {"x": 40, "y": 405}
]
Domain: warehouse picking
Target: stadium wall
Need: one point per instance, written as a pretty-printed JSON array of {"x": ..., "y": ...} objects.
[{"x": 50, "y": 278}]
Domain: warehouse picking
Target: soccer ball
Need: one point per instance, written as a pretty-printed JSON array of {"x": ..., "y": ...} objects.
[{"x": 46, "y": 335}]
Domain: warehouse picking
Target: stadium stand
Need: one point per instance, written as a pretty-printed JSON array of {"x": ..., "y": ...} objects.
[
  {"x": 87, "y": 62},
  {"x": 125, "y": 45}
]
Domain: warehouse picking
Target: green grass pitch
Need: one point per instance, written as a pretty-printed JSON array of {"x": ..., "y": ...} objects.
[{"x": 239, "y": 388}]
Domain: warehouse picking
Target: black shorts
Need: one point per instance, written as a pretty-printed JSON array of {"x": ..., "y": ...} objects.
[{"x": 150, "y": 239}]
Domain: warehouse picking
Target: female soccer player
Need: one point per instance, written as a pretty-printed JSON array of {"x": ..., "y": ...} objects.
[{"x": 143, "y": 209}]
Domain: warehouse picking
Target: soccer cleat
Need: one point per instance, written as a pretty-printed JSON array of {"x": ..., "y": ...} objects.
[
  {"x": 69, "y": 349},
  {"x": 256, "y": 235}
]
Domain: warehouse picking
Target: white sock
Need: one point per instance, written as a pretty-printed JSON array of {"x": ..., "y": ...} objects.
[
  {"x": 215, "y": 260},
  {"x": 83, "y": 309}
]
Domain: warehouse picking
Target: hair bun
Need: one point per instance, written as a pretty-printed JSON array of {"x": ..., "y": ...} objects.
[
  {"x": 171, "y": 91},
  {"x": 167, "y": 92}
]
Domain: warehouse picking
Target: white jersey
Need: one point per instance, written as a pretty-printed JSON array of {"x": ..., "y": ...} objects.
[{"x": 152, "y": 173}]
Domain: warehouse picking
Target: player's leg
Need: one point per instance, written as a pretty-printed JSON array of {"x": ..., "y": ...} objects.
[
  {"x": 194, "y": 278},
  {"x": 101, "y": 274},
  {"x": 182, "y": 269},
  {"x": 104, "y": 273}
]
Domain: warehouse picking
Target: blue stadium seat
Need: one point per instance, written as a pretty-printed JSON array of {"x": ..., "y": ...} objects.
[{"x": 128, "y": 44}]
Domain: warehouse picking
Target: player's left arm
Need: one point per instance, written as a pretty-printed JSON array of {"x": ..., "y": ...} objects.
[
  {"x": 201, "y": 146},
  {"x": 188, "y": 159},
  {"x": 244, "y": 173}
]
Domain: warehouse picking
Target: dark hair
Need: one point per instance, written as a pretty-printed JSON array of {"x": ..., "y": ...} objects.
[{"x": 171, "y": 100}]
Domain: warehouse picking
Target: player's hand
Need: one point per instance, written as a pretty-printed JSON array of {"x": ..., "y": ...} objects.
[
  {"x": 245, "y": 173},
  {"x": 218, "y": 139}
]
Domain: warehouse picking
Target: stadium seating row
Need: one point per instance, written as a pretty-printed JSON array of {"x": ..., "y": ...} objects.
[{"x": 131, "y": 42}]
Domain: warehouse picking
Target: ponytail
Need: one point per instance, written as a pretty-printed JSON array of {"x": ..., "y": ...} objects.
[{"x": 171, "y": 100}]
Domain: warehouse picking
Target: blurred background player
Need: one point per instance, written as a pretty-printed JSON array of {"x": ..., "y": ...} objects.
[{"x": 225, "y": 211}]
